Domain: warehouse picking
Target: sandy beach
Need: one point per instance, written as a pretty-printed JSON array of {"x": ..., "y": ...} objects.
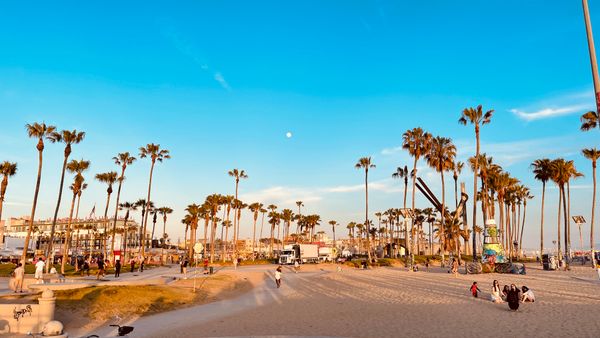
[{"x": 390, "y": 302}]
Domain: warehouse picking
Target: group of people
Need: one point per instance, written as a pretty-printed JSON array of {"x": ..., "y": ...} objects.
[{"x": 511, "y": 294}]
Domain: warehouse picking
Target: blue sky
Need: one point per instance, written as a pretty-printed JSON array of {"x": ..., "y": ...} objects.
[{"x": 220, "y": 83}]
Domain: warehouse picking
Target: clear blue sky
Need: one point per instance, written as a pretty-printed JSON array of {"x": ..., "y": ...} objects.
[{"x": 219, "y": 84}]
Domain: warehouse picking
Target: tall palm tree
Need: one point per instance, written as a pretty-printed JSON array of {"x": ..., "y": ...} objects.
[
  {"x": 333, "y": 224},
  {"x": 128, "y": 207},
  {"x": 69, "y": 138},
  {"x": 542, "y": 171},
  {"x": 77, "y": 168},
  {"x": 274, "y": 219},
  {"x": 255, "y": 209},
  {"x": 457, "y": 168},
  {"x": 593, "y": 155},
  {"x": 441, "y": 158},
  {"x": 525, "y": 195},
  {"x": 192, "y": 218},
  {"x": 478, "y": 118},
  {"x": 417, "y": 143},
  {"x": 227, "y": 204},
  {"x": 590, "y": 121},
  {"x": 7, "y": 169},
  {"x": 154, "y": 152},
  {"x": 299, "y": 204},
  {"x": 40, "y": 131},
  {"x": 214, "y": 203},
  {"x": 262, "y": 223},
  {"x": 109, "y": 178},
  {"x": 123, "y": 160},
  {"x": 287, "y": 215},
  {"x": 186, "y": 220},
  {"x": 401, "y": 173},
  {"x": 237, "y": 175},
  {"x": 164, "y": 212},
  {"x": 365, "y": 163}
]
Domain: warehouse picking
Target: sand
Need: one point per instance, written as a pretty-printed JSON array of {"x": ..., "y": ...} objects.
[{"x": 391, "y": 302}]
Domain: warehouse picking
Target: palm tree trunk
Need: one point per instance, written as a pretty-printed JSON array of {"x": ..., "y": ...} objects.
[
  {"x": 254, "y": 237},
  {"x": 213, "y": 229},
  {"x": 542, "y": 220},
  {"x": 40, "y": 148},
  {"x": 475, "y": 172},
  {"x": 558, "y": 223},
  {"x": 593, "y": 213},
  {"x": 262, "y": 222},
  {"x": 162, "y": 254},
  {"x": 112, "y": 248},
  {"x": 367, "y": 224},
  {"x": 455, "y": 191},
  {"x": 205, "y": 235},
  {"x": 65, "y": 256},
  {"x": 225, "y": 243},
  {"x": 522, "y": 228},
  {"x": 566, "y": 219},
  {"x": 106, "y": 230},
  {"x": 53, "y": 228},
  {"x": 143, "y": 238},
  {"x": 442, "y": 238},
  {"x": 414, "y": 177}
]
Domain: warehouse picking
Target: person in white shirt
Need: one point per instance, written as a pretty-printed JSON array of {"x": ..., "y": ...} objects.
[
  {"x": 39, "y": 269},
  {"x": 278, "y": 277},
  {"x": 296, "y": 266},
  {"x": 528, "y": 295},
  {"x": 19, "y": 276}
]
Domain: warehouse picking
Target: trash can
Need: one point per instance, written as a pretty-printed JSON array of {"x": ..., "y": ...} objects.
[{"x": 210, "y": 270}]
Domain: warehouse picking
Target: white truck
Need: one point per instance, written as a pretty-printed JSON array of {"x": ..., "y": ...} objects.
[
  {"x": 326, "y": 254},
  {"x": 304, "y": 253}
]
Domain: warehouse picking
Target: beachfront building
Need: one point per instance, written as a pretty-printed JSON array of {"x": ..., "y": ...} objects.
[{"x": 87, "y": 235}]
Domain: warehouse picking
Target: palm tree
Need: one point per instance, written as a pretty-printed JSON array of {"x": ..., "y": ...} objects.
[
  {"x": 192, "y": 218},
  {"x": 299, "y": 204},
  {"x": 39, "y": 131},
  {"x": 7, "y": 169},
  {"x": 128, "y": 207},
  {"x": 417, "y": 143},
  {"x": 109, "y": 178},
  {"x": 69, "y": 138},
  {"x": 542, "y": 172},
  {"x": 214, "y": 203},
  {"x": 365, "y": 163},
  {"x": 227, "y": 202},
  {"x": 274, "y": 219},
  {"x": 593, "y": 155},
  {"x": 186, "y": 220},
  {"x": 401, "y": 173},
  {"x": 156, "y": 154},
  {"x": 255, "y": 209},
  {"x": 164, "y": 211},
  {"x": 262, "y": 223},
  {"x": 590, "y": 121},
  {"x": 477, "y": 117},
  {"x": 287, "y": 215},
  {"x": 237, "y": 175},
  {"x": 441, "y": 158},
  {"x": 333, "y": 224},
  {"x": 123, "y": 160},
  {"x": 457, "y": 168},
  {"x": 76, "y": 167},
  {"x": 524, "y": 195}
]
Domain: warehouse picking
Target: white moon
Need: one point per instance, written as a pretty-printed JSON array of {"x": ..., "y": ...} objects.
[{"x": 288, "y": 134}]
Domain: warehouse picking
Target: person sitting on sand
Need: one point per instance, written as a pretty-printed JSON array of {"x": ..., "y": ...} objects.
[
  {"x": 504, "y": 293},
  {"x": 496, "y": 298},
  {"x": 513, "y": 297},
  {"x": 528, "y": 295}
]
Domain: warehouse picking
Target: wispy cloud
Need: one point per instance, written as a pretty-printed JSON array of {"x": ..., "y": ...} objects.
[
  {"x": 221, "y": 80},
  {"x": 555, "y": 106},
  {"x": 189, "y": 49},
  {"x": 548, "y": 112}
]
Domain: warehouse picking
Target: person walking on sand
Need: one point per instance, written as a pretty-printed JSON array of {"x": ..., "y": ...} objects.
[
  {"x": 100, "y": 268},
  {"x": 513, "y": 298},
  {"x": 117, "y": 268},
  {"x": 278, "y": 276},
  {"x": 39, "y": 269},
  {"x": 296, "y": 266},
  {"x": 19, "y": 274},
  {"x": 475, "y": 290},
  {"x": 455, "y": 267}
]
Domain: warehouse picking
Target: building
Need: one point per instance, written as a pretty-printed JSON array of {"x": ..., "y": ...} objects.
[{"x": 87, "y": 235}]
